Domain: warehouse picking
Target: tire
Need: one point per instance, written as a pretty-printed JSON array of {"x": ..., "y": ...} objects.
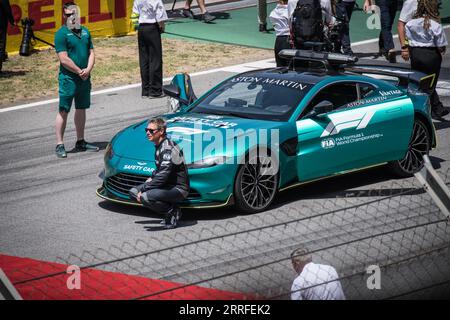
[
  {"x": 419, "y": 145},
  {"x": 256, "y": 182}
]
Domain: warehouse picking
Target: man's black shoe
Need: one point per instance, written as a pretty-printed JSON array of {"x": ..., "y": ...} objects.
[
  {"x": 171, "y": 222},
  {"x": 207, "y": 17},
  {"x": 263, "y": 27},
  {"x": 178, "y": 214},
  {"x": 171, "y": 219},
  {"x": 439, "y": 112},
  {"x": 60, "y": 151},
  {"x": 391, "y": 56},
  {"x": 162, "y": 95},
  {"x": 187, "y": 13},
  {"x": 82, "y": 145}
]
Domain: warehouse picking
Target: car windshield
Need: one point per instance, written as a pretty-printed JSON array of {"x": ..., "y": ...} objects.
[{"x": 254, "y": 97}]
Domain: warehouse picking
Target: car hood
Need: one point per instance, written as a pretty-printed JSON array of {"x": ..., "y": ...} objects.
[{"x": 187, "y": 129}]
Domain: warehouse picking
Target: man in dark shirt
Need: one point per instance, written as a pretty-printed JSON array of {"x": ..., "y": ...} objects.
[{"x": 169, "y": 183}]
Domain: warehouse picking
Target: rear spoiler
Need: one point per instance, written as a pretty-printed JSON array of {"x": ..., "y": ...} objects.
[{"x": 405, "y": 75}]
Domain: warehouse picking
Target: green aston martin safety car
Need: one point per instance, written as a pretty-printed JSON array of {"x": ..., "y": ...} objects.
[{"x": 264, "y": 131}]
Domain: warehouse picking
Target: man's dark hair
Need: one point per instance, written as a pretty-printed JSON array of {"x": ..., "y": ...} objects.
[{"x": 160, "y": 122}]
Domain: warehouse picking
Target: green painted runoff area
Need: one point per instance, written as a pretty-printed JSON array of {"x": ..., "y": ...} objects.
[{"x": 240, "y": 27}]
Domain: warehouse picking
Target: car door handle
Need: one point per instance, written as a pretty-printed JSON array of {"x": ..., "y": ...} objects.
[{"x": 398, "y": 109}]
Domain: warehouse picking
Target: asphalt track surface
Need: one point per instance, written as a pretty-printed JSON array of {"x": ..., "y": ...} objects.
[{"x": 49, "y": 209}]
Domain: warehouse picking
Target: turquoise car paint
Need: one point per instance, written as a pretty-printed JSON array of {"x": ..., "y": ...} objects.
[
  {"x": 375, "y": 128},
  {"x": 351, "y": 147}
]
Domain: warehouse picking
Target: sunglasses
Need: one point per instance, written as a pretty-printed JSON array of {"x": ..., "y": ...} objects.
[
  {"x": 68, "y": 14},
  {"x": 151, "y": 131}
]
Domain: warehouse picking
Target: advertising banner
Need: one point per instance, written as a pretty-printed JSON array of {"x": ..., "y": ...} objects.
[{"x": 101, "y": 17}]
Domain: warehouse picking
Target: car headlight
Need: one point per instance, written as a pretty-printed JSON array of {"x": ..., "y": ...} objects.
[
  {"x": 207, "y": 162},
  {"x": 109, "y": 152}
]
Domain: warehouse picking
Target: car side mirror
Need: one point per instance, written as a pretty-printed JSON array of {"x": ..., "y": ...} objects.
[
  {"x": 180, "y": 92},
  {"x": 322, "y": 107},
  {"x": 173, "y": 91}
]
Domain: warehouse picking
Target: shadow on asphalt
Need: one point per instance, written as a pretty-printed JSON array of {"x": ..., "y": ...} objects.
[
  {"x": 341, "y": 186},
  {"x": 10, "y": 74},
  {"x": 221, "y": 15},
  {"x": 157, "y": 227},
  {"x": 177, "y": 14},
  {"x": 337, "y": 187},
  {"x": 101, "y": 145},
  {"x": 190, "y": 216}
]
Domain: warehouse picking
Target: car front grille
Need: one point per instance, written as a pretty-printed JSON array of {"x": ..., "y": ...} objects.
[{"x": 123, "y": 182}]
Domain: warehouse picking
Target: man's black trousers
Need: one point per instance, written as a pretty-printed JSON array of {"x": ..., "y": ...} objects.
[
  {"x": 428, "y": 60},
  {"x": 281, "y": 43},
  {"x": 3, "y": 31},
  {"x": 159, "y": 200},
  {"x": 388, "y": 9},
  {"x": 150, "y": 58}
]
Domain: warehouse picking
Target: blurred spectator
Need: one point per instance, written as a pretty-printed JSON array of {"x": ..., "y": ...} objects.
[
  {"x": 262, "y": 15},
  {"x": 408, "y": 10},
  {"x": 151, "y": 16},
  {"x": 427, "y": 44},
  {"x": 388, "y": 9},
  {"x": 314, "y": 281},
  {"x": 280, "y": 21},
  {"x": 205, "y": 16},
  {"x": 5, "y": 17},
  {"x": 344, "y": 10}
]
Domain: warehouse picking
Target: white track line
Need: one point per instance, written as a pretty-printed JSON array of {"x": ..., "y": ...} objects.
[
  {"x": 267, "y": 63},
  {"x": 256, "y": 65}
]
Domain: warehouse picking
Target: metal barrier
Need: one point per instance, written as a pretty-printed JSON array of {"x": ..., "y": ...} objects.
[{"x": 390, "y": 243}]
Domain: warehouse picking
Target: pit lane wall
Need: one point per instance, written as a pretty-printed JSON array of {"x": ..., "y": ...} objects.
[{"x": 102, "y": 17}]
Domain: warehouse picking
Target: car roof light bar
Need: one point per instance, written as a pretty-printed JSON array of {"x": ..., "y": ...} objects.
[{"x": 326, "y": 57}]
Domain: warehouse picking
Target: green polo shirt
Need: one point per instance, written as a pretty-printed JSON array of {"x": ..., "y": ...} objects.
[{"x": 76, "y": 46}]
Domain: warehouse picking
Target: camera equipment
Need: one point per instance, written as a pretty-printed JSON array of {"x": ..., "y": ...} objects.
[
  {"x": 28, "y": 35},
  {"x": 25, "y": 45},
  {"x": 333, "y": 38}
]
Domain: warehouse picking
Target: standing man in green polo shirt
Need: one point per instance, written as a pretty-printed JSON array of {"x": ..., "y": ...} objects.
[{"x": 75, "y": 51}]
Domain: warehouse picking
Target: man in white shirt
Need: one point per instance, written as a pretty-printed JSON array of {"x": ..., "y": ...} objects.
[
  {"x": 151, "y": 16},
  {"x": 280, "y": 21},
  {"x": 408, "y": 10},
  {"x": 314, "y": 281}
]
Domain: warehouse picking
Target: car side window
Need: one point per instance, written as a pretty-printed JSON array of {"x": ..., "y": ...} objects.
[
  {"x": 365, "y": 90},
  {"x": 340, "y": 94}
]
